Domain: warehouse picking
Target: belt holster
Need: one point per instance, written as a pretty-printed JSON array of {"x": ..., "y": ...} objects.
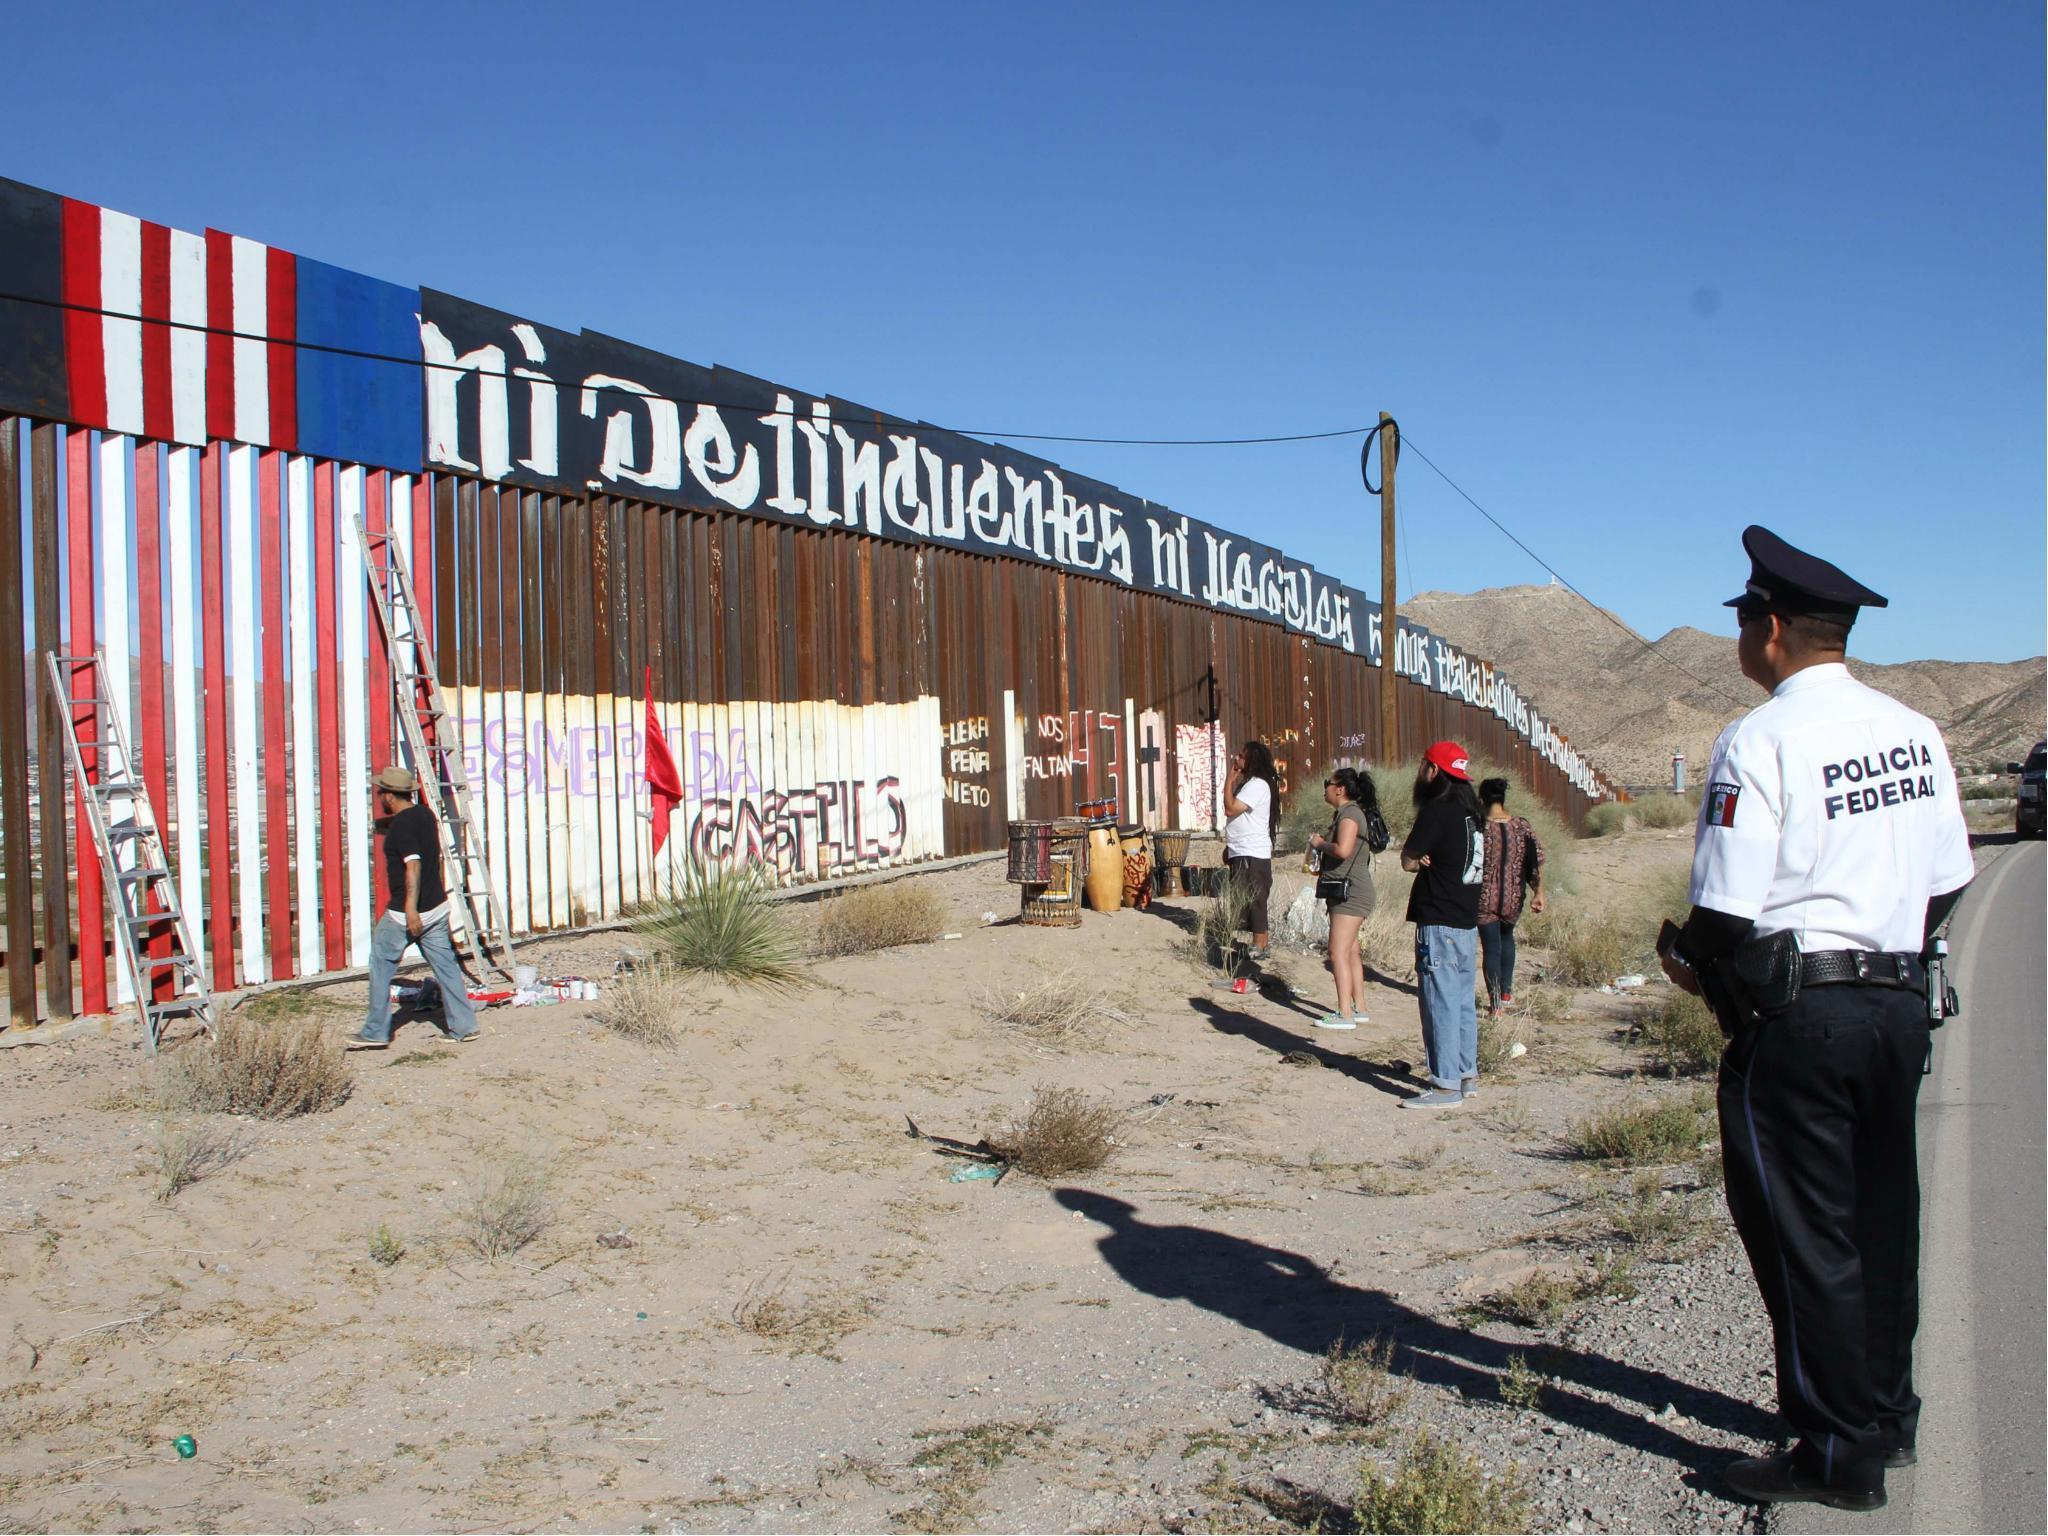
[{"x": 1759, "y": 979}]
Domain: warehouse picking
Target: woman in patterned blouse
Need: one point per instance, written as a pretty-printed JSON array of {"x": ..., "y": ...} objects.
[{"x": 1514, "y": 860}]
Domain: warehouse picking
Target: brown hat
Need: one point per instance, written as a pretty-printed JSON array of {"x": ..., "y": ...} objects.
[{"x": 397, "y": 780}]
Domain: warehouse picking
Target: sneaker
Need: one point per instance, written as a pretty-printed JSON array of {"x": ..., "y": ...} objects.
[
  {"x": 362, "y": 1042},
  {"x": 452, "y": 1038},
  {"x": 1334, "y": 1021},
  {"x": 1360, "y": 1016},
  {"x": 1260, "y": 953},
  {"x": 1507, "y": 999},
  {"x": 1469, "y": 1087},
  {"x": 1435, "y": 1098}
]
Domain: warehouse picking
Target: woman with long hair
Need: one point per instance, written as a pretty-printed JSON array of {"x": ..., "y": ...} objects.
[
  {"x": 1346, "y": 852},
  {"x": 1514, "y": 862},
  {"x": 1252, "y": 802}
]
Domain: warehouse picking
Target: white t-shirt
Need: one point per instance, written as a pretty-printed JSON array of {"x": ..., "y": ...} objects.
[
  {"x": 1250, "y": 836},
  {"x": 1831, "y": 810}
]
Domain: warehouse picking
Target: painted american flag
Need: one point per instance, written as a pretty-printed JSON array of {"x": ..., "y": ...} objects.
[{"x": 111, "y": 321}]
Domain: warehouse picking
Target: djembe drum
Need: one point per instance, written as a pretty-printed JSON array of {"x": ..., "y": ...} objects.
[{"x": 1170, "y": 853}]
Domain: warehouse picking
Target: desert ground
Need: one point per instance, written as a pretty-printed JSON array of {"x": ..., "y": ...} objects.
[{"x": 799, "y": 1321}]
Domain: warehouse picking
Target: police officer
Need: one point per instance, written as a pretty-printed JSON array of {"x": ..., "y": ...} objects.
[{"x": 1830, "y": 848}]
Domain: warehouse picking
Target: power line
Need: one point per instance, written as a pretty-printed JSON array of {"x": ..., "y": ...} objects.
[
  {"x": 879, "y": 418},
  {"x": 882, "y": 419},
  {"x": 1567, "y": 585}
]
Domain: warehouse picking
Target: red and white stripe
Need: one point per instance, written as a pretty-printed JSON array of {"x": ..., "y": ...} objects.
[
  {"x": 127, "y": 375},
  {"x": 252, "y": 385}
]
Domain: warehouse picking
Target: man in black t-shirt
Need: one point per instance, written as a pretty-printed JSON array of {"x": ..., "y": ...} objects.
[
  {"x": 1446, "y": 852},
  {"x": 416, "y": 913}
]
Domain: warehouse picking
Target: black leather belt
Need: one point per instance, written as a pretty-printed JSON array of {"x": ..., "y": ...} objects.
[{"x": 1853, "y": 967}]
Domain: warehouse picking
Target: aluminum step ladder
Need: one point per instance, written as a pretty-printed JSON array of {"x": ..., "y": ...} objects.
[
  {"x": 131, "y": 851},
  {"x": 434, "y": 745}
]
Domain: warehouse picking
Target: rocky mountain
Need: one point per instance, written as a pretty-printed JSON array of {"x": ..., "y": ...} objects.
[{"x": 1629, "y": 711}]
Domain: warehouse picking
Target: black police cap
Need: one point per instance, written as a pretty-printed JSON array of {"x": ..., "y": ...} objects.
[{"x": 1789, "y": 581}]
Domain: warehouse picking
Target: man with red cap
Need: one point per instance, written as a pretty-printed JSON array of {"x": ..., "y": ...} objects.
[{"x": 1446, "y": 852}]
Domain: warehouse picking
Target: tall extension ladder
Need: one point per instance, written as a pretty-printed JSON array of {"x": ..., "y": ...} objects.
[
  {"x": 435, "y": 748},
  {"x": 130, "y": 848}
]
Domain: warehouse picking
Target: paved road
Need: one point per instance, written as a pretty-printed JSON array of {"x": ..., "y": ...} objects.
[{"x": 1979, "y": 1360}]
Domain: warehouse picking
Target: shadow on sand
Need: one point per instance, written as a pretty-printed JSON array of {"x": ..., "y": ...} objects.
[{"x": 1292, "y": 1300}]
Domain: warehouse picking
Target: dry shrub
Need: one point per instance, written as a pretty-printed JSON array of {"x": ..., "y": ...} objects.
[
  {"x": 386, "y": 1246},
  {"x": 1055, "y": 1007},
  {"x": 1544, "y": 1004},
  {"x": 1666, "y": 1131},
  {"x": 1682, "y": 1035},
  {"x": 1496, "y": 1043},
  {"x": 1063, "y": 1131},
  {"x": 1521, "y": 1385},
  {"x": 1606, "y": 819},
  {"x": 1437, "y": 1487},
  {"x": 1664, "y": 811},
  {"x": 1537, "y": 1300},
  {"x": 1217, "y": 924},
  {"x": 647, "y": 1006},
  {"x": 719, "y": 921},
  {"x": 188, "y": 1150},
  {"x": 1385, "y": 937},
  {"x": 1648, "y": 1216},
  {"x": 509, "y": 1199},
  {"x": 1358, "y": 1384},
  {"x": 269, "y": 1070},
  {"x": 1590, "y": 949},
  {"x": 879, "y": 917},
  {"x": 801, "y": 1327}
]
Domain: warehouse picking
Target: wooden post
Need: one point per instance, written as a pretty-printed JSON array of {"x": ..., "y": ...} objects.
[{"x": 1390, "y": 741}]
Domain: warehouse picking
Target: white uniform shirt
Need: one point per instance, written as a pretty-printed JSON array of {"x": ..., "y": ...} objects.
[
  {"x": 1250, "y": 836},
  {"x": 1831, "y": 809}
]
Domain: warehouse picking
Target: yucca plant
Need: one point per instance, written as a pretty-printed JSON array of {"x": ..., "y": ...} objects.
[{"x": 718, "y": 920}]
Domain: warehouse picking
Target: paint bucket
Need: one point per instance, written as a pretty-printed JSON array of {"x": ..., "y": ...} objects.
[{"x": 524, "y": 976}]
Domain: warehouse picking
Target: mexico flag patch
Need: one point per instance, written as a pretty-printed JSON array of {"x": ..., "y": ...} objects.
[{"x": 1721, "y": 804}]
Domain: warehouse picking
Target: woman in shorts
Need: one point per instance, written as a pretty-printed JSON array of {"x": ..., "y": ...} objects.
[{"x": 1345, "y": 852}]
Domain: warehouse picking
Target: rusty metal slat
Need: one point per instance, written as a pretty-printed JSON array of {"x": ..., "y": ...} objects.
[
  {"x": 45, "y": 550},
  {"x": 15, "y": 673}
]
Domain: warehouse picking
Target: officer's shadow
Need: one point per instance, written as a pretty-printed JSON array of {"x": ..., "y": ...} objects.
[{"x": 1293, "y": 1301}]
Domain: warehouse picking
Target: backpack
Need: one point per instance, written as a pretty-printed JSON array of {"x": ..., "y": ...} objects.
[{"x": 1376, "y": 834}]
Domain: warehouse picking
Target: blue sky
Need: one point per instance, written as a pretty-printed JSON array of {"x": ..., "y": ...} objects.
[{"x": 1633, "y": 275}]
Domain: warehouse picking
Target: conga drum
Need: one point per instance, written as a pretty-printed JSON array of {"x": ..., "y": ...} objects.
[
  {"x": 1105, "y": 869},
  {"x": 1030, "y": 852},
  {"x": 1137, "y": 867}
]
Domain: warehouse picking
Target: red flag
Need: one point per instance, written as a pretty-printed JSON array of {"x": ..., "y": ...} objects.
[{"x": 663, "y": 782}]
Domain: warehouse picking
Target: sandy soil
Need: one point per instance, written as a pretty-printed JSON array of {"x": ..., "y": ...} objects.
[{"x": 813, "y": 1328}]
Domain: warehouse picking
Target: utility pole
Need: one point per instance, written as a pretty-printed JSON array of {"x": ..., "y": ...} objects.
[{"x": 1389, "y": 434}]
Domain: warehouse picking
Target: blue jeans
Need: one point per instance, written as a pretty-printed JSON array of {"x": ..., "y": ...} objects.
[
  {"x": 388, "y": 941},
  {"x": 1497, "y": 956},
  {"x": 1446, "y": 968}
]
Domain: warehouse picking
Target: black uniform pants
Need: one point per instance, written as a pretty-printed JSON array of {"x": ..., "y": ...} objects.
[{"x": 1817, "y": 1137}]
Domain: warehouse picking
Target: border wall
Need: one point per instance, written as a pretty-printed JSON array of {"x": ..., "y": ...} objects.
[{"x": 869, "y": 642}]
